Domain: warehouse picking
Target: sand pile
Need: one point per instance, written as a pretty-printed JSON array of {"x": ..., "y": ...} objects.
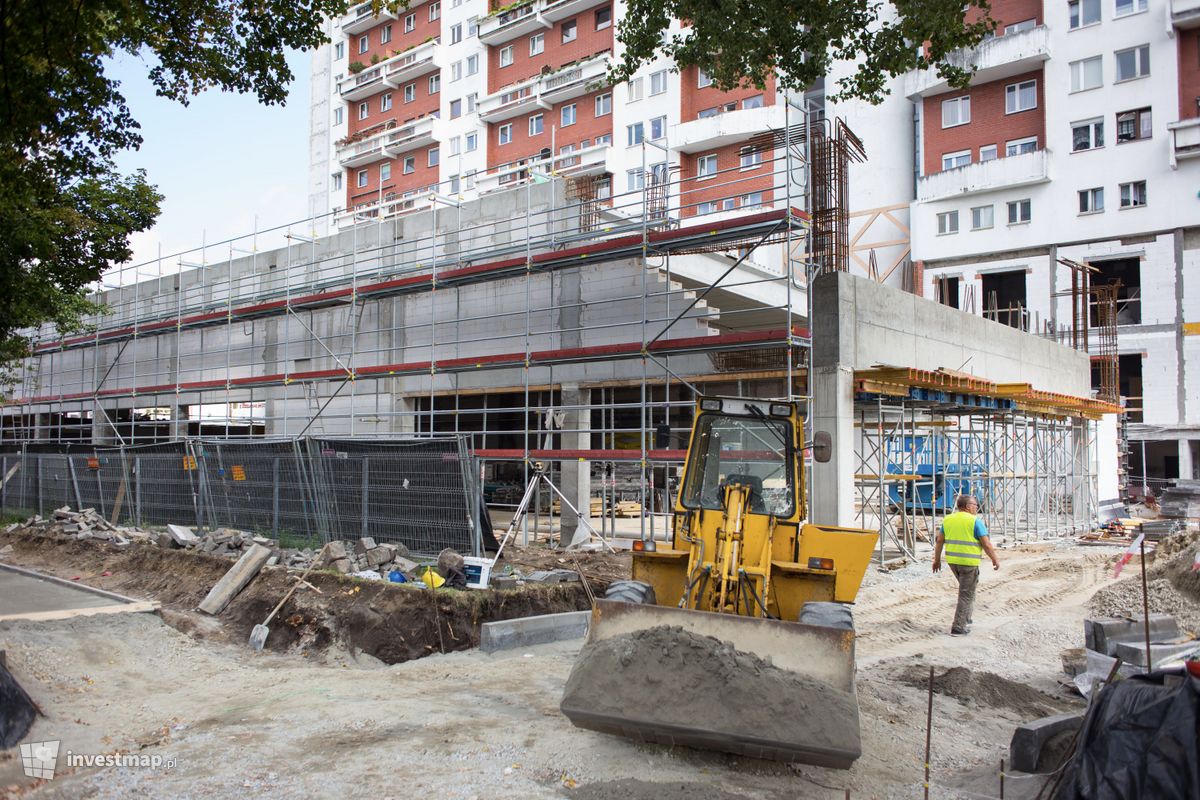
[
  {"x": 986, "y": 690},
  {"x": 669, "y": 676},
  {"x": 1173, "y": 588}
]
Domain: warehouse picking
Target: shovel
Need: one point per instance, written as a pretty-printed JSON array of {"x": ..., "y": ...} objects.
[{"x": 258, "y": 636}]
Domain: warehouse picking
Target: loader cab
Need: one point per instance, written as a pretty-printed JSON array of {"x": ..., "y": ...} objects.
[{"x": 746, "y": 442}]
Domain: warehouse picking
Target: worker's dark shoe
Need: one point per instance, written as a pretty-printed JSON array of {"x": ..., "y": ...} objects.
[{"x": 959, "y": 631}]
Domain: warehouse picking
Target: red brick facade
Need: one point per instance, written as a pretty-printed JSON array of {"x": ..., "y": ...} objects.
[
  {"x": 586, "y": 128},
  {"x": 1009, "y": 12},
  {"x": 424, "y": 29},
  {"x": 1189, "y": 73},
  {"x": 989, "y": 124},
  {"x": 556, "y": 53},
  {"x": 729, "y": 186},
  {"x": 399, "y": 183},
  {"x": 694, "y": 99}
]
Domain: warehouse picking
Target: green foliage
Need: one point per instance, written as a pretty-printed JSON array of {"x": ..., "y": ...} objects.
[
  {"x": 66, "y": 214},
  {"x": 741, "y": 42},
  {"x": 355, "y": 67}
]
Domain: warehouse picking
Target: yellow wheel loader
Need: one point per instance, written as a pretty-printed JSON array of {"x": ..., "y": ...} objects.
[{"x": 744, "y": 567}]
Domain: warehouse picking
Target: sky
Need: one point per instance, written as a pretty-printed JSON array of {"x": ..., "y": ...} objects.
[{"x": 220, "y": 162}]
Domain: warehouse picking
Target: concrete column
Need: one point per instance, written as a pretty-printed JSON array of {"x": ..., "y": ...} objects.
[
  {"x": 403, "y": 419},
  {"x": 179, "y": 422},
  {"x": 832, "y": 483},
  {"x": 103, "y": 431},
  {"x": 1187, "y": 469},
  {"x": 575, "y": 481}
]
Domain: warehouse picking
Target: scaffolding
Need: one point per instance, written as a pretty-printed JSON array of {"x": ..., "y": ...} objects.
[{"x": 431, "y": 318}]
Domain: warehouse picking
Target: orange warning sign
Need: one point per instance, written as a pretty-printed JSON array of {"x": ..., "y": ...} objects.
[
  {"x": 239, "y": 472},
  {"x": 189, "y": 463}
]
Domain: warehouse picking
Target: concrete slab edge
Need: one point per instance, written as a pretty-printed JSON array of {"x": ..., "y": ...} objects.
[{"x": 527, "y": 631}]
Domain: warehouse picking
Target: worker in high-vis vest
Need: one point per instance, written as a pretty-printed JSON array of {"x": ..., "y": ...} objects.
[{"x": 965, "y": 539}]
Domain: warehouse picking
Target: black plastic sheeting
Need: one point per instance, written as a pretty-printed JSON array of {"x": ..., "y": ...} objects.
[
  {"x": 17, "y": 711},
  {"x": 1140, "y": 739}
]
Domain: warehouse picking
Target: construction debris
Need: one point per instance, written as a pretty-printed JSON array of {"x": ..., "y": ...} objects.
[
  {"x": 1181, "y": 500},
  {"x": 235, "y": 580}
]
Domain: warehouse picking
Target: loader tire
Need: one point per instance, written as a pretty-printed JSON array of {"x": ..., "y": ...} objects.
[
  {"x": 634, "y": 592},
  {"x": 830, "y": 615}
]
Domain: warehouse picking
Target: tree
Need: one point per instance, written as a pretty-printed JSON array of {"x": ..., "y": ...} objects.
[
  {"x": 66, "y": 214},
  {"x": 797, "y": 41}
]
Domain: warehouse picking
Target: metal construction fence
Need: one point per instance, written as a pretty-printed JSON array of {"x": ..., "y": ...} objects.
[{"x": 422, "y": 493}]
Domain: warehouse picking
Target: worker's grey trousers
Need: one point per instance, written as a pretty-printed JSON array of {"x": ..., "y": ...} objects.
[{"x": 968, "y": 579}]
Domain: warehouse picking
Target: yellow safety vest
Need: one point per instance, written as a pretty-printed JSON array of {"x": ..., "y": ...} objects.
[{"x": 961, "y": 545}]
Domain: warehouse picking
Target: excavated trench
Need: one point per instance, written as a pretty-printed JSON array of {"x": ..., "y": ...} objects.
[{"x": 391, "y": 622}]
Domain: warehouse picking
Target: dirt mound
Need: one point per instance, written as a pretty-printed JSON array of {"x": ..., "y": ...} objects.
[
  {"x": 668, "y": 676},
  {"x": 987, "y": 690},
  {"x": 1172, "y": 587},
  {"x": 392, "y": 622}
]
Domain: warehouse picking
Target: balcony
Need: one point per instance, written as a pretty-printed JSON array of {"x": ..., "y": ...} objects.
[
  {"x": 986, "y": 176},
  {"x": 412, "y": 64},
  {"x": 497, "y": 29},
  {"x": 362, "y": 85},
  {"x": 361, "y": 18},
  {"x": 1185, "y": 140},
  {"x": 419, "y": 133},
  {"x": 595, "y": 160},
  {"x": 710, "y": 133},
  {"x": 1185, "y": 13},
  {"x": 565, "y": 9},
  {"x": 995, "y": 59},
  {"x": 392, "y": 205},
  {"x": 543, "y": 91}
]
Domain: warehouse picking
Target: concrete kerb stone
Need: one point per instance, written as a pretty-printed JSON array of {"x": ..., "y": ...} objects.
[
  {"x": 1029, "y": 739},
  {"x": 1103, "y": 634},
  {"x": 1160, "y": 652},
  {"x": 526, "y": 631}
]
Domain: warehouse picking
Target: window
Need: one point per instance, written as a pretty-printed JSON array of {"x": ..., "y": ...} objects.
[
  {"x": 364, "y": 110},
  {"x": 658, "y": 82},
  {"x": 472, "y": 99},
  {"x": 752, "y": 200},
  {"x": 337, "y": 181},
  {"x": 1133, "y": 195},
  {"x": 1127, "y": 7},
  {"x": 339, "y": 51},
  {"x": 987, "y": 152},
  {"x": 410, "y": 165},
  {"x": 708, "y": 112},
  {"x": 1083, "y": 12},
  {"x": 455, "y": 145},
  {"x": 1019, "y": 212},
  {"x": 635, "y": 134},
  {"x": 506, "y": 56},
  {"x": 456, "y": 71},
  {"x": 504, "y": 133},
  {"x": 635, "y": 89},
  {"x": 658, "y": 128},
  {"x": 954, "y": 160},
  {"x": 472, "y": 142},
  {"x": 362, "y": 178},
  {"x": 537, "y": 44},
  {"x": 569, "y": 31},
  {"x": 703, "y": 79},
  {"x": 1087, "y": 135},
  {"x": 338, "y": 115},
  {"x": 410, "y": 23},
  {"x": 728, "y": 204},
  {"x": 1133, "y": 63},
  {"x": 603, "y": 18},
  {"x": 456, "y": 33},
  {"x": 1020, "y": 97},
  {"x": 947, "y": 223},
  {"x": 1133, "y": 125},
  {"x": 435, "y": 11},
  {"x": 1017, "y": 27},
  {"x": 707, "y": 207},
  {"x": 982, "y": 218},
  {"x": 535, "y": 124},
  {"x": 385, "y": 172},
  {"x": 1091, "y": 201},
  {"x": 635, "y": 179},
  {"x": 385, "y": 101},
  {"x": 603, "y": 104},
  {"x": 472, "y": 30},
  {"x": 385, "y": 35},
  {"x": 472, "y": 65},
  {"x": 604, "y": 140},
  {"x": 435, "y": 156},
  {"x": 753, "y": 102},
  {"x": 364, "y": 42},
  {"x": 435, "y": 84},
  {"x": 410, "y": 93},
  {"x": 455, "y": 184},
  {"x": 567, "y": 115},
  {"x": 706, "y": 166},
  {"x": 956, "y": 111},
  {"x": 1019, "y": 147},
  {"x": 750, "y": 157},
  {"x": 1087, "y": 73},
  {"x": 455, "y": 109}
]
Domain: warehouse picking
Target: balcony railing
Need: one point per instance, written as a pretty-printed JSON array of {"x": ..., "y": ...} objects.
[
  {"x": 363, "y": 17},
  {"x": 390, "y": 205},
  {"x": 985, "y": 176},
  {"x": 1185, "y": 140},
  {"x": 412, "y": 63},
  {"x": 721, "y": 129},
  {"x": 543, "y": 91},
  {"x": 1185, "y": 13},
  {"x": 995, "y": 59},
  {"x": 500, "y": 28},
  {"x": 594, "y": 160}
]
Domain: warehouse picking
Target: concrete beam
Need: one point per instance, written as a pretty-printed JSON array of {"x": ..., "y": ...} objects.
[{"x": 526, "y": 631}]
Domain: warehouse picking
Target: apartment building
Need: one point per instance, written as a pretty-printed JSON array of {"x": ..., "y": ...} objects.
[{"x": 1077, "y": 139}]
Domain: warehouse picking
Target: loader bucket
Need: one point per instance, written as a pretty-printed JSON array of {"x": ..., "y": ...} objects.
[{"x": 648, "y": 673}]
